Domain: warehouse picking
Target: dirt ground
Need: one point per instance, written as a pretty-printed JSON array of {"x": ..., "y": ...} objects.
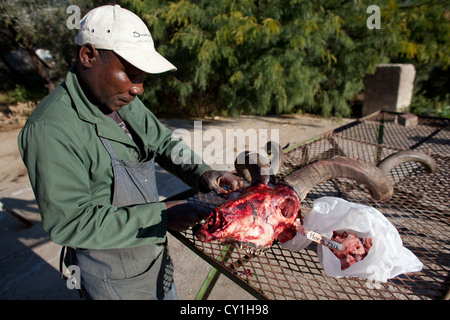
[{"x": 29, "y": 260}]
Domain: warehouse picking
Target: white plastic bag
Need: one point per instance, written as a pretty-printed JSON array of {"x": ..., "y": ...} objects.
[{"x": 386, "y": 258}]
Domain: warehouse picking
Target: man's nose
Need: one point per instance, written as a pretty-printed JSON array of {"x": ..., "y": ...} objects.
[{"x": 137, "y": 89}]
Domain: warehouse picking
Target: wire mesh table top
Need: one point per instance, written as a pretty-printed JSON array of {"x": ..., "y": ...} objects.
[{"x": 419, "y": 209}]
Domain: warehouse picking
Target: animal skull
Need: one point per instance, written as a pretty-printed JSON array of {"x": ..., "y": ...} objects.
[{"x": 256, "y": 218}]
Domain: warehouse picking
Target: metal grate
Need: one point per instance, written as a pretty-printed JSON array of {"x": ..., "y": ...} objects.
[{"x": 419, "y": 210}]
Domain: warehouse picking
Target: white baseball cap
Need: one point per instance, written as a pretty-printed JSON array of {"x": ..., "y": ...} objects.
[{"x": 120, "y": 30}]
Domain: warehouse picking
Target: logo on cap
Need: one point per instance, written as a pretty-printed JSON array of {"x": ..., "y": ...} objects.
[{"x": 137, "y": 34}]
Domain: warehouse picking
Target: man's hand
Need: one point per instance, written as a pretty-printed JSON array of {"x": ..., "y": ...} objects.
[
  {"x": 212, "y": 180},
  {"x": 181, "y": 214}
]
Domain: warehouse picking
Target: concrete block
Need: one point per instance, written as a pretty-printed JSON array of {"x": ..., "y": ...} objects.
[
  {"x": 390, "y": 88},
  {"x": 408, "y": 120}
]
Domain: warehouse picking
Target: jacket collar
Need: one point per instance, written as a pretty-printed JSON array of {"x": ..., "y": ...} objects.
[{"x": 105, "y": 126}]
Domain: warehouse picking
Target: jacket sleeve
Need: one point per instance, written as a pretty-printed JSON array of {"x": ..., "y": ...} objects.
[{"x": 71, "y": 214}]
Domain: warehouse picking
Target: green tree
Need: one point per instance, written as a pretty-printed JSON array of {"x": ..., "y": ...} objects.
[
  {"x": 277, "y": 56},
  {"x": 253, "y": 56},
  {"x": 40, "y": 24}
]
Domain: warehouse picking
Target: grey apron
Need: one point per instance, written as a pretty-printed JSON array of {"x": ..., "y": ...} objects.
[{"x": 138, "y": 273}]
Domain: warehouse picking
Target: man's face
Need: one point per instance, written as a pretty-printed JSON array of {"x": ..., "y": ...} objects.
[{"x": 113, "y": 82}]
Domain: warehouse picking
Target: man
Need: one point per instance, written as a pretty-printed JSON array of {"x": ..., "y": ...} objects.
[{"x": 90, "y": 148}]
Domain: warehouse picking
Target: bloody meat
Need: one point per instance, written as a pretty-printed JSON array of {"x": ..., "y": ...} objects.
[
  {"x": 258, "y": 217},
  {"x": 355, "y": 249}
]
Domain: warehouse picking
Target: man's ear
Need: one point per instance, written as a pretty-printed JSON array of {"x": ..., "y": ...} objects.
[{"x": 88, "y": 55}]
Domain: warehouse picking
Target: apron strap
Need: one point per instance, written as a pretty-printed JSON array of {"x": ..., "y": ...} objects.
[
  {"x": 108, "y": 147},
  {"x": 61, "y": 262}
]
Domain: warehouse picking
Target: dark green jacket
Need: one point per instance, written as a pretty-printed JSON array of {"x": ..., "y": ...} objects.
[{"x": 71, "y": 175}]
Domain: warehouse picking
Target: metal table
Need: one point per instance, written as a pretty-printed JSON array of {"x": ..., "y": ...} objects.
[{"x": 419, "y": 210}]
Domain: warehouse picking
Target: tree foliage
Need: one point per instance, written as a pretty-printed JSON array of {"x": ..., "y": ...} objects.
[
  {"x": 40, "y": 24},
  {"x": 269, "y": 56},
  {"x": 281, "y": 56}
]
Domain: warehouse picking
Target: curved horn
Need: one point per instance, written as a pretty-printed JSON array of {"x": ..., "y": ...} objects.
[
  {"x": 306, "y": 178},
  {"x": 407, "y": 156},
  {"x": 253, "y": 167}
]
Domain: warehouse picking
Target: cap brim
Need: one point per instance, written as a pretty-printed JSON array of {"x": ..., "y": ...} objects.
[{"x": 148, "y": 61}]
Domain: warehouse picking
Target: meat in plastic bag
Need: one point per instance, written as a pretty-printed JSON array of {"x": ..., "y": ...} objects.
[{"x": 386, "y": 258}]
